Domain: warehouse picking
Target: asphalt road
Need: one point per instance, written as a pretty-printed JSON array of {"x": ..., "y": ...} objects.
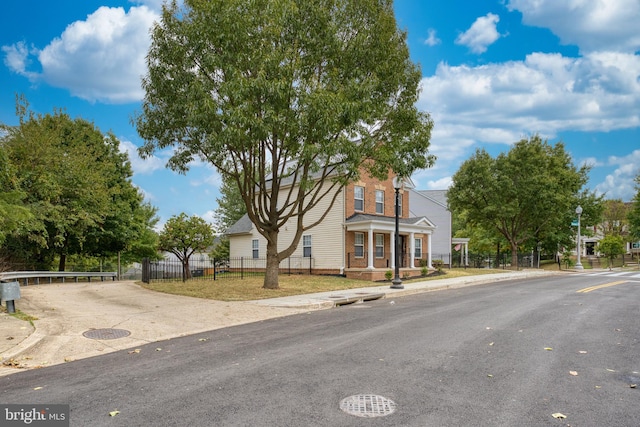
[{"x": 506, "y": 354}]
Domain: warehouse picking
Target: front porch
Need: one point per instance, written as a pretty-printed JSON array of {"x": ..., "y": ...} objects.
[{"x": 371, "y": 246}]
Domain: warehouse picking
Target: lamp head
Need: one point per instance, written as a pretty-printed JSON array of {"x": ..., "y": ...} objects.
[
  {"x": 397, "y": 182},
  {"x": 579, "y": 210}
]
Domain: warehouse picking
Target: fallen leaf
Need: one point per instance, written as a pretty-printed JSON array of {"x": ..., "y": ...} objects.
[
  {"x": 137, "y": 350},
  {"x": 158, "y": 349},
  {"x": 558, "y": 415},
  {"x": 633, "y": 385},
  {"x": 610, "y": 370},
  {"x": 490, "y": 376},
  {"x": 548, "y": 348},
  {"x": 38, "y": 388},
  {"x": 490, "y": 343},
  {"x": 114, "y": 413},
  {"x": 582, "y": 352},
  {"x": 598, "y": 386},
  {"x": 203, "y": 339},
  {"x": 574, "y": 373}
]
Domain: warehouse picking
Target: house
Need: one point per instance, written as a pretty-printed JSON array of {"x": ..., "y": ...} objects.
[
  {"x": 433, "y": 204},
  {"x": 355, "y": 239}
]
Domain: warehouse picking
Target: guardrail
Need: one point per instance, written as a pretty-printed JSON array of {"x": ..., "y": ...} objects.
[{"x": 50, "y": 275}]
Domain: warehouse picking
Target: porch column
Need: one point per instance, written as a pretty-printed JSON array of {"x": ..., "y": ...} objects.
[
  {"x": 429, "y": 265},
  {"x": 370, "y": 251},
  {"x": 393, "y": 251},
  {"x": 466, "y": 253},
  {"x": 412, "y": 249}
]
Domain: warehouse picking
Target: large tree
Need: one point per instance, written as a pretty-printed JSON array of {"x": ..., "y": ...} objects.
[
  {"x": 183, "y": 236},
  {"x": 77, "y": 185},
  {"x": 13, "y": 212},
  {"x": 289, "y": 99},
  {"x": 527, "y": 194}
]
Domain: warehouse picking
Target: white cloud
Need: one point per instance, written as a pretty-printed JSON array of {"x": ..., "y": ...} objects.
[
  {"x": 99, "y": 59},
  {"x": 592, "y": 25},
  {"x": 143, "y": 166},
  {"x": 481, "y": 34},
  {"x": 545, "y": 93},
  {"x": 432, "y": 40},
  {"x": 620, "y": 183}
]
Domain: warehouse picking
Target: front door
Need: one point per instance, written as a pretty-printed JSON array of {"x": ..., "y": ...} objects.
[{"x": 403, "y": 251}]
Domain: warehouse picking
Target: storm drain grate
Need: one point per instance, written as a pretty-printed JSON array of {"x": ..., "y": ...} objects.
[
  {"x": 368, "y": 405},
  {"x": 106, "y": 334}
]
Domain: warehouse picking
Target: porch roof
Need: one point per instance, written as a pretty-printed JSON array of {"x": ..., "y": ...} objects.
[{"x": 366, "y": 222}]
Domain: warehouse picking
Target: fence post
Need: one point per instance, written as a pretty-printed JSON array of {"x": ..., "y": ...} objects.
[
  {"x": 242, "y": 267},
  {"x": 214, "y": 268},
  {"x": 309, "y": 265},
  {"x": 289, "y": 264}
]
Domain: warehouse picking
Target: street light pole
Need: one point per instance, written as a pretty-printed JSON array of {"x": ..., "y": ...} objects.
[
  {"x": 578, "y": 263},
  {"x": 396, "y": 283}
]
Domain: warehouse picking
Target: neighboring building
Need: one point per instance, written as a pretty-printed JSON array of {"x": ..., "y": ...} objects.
[
  {"x": 356, "y": 238},
  {"x": 433, "y": 204}
]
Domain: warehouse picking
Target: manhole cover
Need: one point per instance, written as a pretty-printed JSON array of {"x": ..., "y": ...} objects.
[
  {"x": 368, "y": 405},
  {"x": 106, "y": 334}
]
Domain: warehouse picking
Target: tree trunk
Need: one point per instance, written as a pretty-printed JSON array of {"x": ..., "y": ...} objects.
[
  {"x": 273, "y": 264},
  {"x": 514, "y": 255},
  {"x": 63, "y": 262},
  {"x": 186, "y": 271}
]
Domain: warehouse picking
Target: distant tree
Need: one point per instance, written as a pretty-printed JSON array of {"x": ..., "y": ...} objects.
[
  {"x": 183, "y": 236},
  {"x": 231, "y": 205},
  {"x": 611, "y": 246},
  {"x": 144, "y": 239},
  {"x": 275, "y": 94},
  {"x": 77, "y": 185},
  {"x": 615, "y": 217},
  {"x": 526, "y": 194}
]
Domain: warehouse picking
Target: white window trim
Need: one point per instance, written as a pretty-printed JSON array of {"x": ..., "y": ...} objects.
[
  {"x": 355, "y": 198},
  {"x": 356, "y": 245},
  {"x": 381, "y": 203},
  {"x": 381, "y": 254},
  {"x": 305, "y": 246},
  {"x": 418, "y": 247},
  {"x": 255, "y": 248}
]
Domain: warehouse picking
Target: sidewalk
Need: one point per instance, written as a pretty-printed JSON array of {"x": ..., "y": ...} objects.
[{"x": 79, "y": 320}]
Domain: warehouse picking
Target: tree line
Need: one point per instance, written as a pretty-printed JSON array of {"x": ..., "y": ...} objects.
[
  {"x": 526, "y": 200},
  {"x": 66, "y": 192}
]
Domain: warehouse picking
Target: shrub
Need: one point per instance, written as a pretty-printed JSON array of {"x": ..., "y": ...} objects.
[
  {"x": 424, "y": 271},
  {"x": 388, "y": 274}
]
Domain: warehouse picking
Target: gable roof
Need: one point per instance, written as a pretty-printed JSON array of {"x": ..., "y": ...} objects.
[
  {"x": 389, "y": 221},
  {"x": 241, "y": 226},
  {"x": 436, "y": 196}
]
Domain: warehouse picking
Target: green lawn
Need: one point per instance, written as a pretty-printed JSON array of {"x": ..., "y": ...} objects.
[{"x": 250, "y": 288}]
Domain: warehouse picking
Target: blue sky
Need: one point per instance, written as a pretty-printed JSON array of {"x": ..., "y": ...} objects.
[{"x": 494, "y": 71}]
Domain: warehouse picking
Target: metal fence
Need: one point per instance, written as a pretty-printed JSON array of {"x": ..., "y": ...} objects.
[{"x": 217, "y": 269}]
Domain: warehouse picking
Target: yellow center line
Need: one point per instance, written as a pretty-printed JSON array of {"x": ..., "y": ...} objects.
[{"x": 605, "y": 285}]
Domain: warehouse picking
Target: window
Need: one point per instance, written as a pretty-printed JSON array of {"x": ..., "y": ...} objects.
[
  {"x": 255, "y": 249},
  {"x": 399, "y": 205},
  {"x": 379, "y": 245},
  {"x": 418, "y": 243},
  {"x": 380, "y": 202},
  {"x": 358, "y": 196},
  {"x": 359, "y": 245},
  {"x": 306, "y": 246}
]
